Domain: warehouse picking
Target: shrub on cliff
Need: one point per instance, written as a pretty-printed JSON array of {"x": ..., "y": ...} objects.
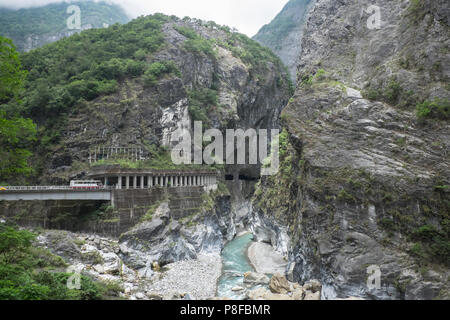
[
  {"x": 29, "y": 273},
  {"x": 437, "y": 108}
]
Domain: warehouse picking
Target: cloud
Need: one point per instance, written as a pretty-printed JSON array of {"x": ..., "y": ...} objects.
[{"x": 248, "y": 16}]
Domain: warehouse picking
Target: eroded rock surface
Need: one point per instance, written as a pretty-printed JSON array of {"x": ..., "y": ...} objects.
[{"x": 363, "y": 179}]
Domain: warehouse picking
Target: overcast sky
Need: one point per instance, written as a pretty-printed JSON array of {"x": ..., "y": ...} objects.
[{"x": 248, "y": 16}]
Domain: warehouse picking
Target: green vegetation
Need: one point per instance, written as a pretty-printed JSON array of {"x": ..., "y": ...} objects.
[
  {"x": 157, "y": 70},
  {"x": 51, "y": 19},
  {"x": 77, "y": 73},
  {"x": 149, "y": 214},
  {"x": 16, "y": 133},
  {"x": 28, "y": 273},
  {"x": 11, "y": 73},
  {"x": 196, "y": 43},
  {"x": 433, "y": 244},
  {"x": 63, "y": 75},
  {"x": 202, "y": 102},
  {"x": 273, "y": 34},
  {"x": 436, "y": 109},
  {"x": 391, "y": 93},
  {"x": 417, "y": 10},
  {"x": 277, "y": 197},
  {"x": 87, "y": 65},
  {"x": 159, "y": 158}
]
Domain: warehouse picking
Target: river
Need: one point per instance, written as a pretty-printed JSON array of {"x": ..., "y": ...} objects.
[{"x": 235, "y": 264}]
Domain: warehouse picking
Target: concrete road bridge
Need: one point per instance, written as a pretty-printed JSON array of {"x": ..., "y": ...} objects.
[
  {"x": 19, "y": 193},
  {"x": 113, "y": 179}
]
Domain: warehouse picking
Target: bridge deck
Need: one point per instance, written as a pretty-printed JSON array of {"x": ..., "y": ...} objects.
[{"x": 17, "y": 193}]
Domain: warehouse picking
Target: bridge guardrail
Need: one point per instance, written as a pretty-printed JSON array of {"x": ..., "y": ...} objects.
[{"x": 44, "y": 188}]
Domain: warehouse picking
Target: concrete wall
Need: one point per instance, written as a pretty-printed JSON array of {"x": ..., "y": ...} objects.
[
  {"x": 132, "y": 205},
  {"x": 127, "y": 210},
  {"x": 64, "y": 215}
]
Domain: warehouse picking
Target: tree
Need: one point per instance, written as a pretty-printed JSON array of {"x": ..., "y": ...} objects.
[
  {"x": 16, "y": 133},
  {"x": 11, "y": 73}
]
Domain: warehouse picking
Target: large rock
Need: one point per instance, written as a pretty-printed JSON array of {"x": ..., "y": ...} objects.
[
  {"x": 256, "y": 278},
  {"x": 279, "y": 284},
  {"x": 265, "y": 259}
]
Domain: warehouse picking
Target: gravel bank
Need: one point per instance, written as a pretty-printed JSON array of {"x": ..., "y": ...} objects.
[{"x": 197, "y": 277}]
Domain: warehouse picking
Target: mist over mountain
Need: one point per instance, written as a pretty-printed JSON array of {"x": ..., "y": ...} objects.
[
  {"x": 283, "y": 35},
  {"x": 34, "y": 27}
]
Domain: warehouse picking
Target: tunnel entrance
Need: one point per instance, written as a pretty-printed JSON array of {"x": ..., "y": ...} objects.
[{"x": 248, "y": 178}]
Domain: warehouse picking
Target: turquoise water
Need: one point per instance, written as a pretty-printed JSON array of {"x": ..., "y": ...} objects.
[{"x": 235, "y": 264}]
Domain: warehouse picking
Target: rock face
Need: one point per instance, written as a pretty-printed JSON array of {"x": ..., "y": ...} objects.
[
  {"x": 363, "y": 184},
  {"x": 284, "y": 34},
  {"x": 166, "y": 239}
]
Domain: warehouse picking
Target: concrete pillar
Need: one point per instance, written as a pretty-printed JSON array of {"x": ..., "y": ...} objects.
[
  {"x": 149, "y": 181},
  {"x": 142, "y": 182},
  {"x": 106, "y": 181},
  {"x": 127, "y": 182},
  {"x": 119, "y": 182},
  {"x": 135, "y": 182}
]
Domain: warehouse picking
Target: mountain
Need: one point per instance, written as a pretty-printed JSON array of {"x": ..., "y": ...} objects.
[
  {"x": 133, "y": 84},
  {"x": 34, "y": 27},
  {"x": 364, "y": 175},
  {"x": 283, "y": 35}
]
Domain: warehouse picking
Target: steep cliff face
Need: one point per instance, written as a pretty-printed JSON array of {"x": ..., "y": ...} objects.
[
  {"x": 34, "y": 27},
  {"x": 284, "y": 33},
  {"x": 364, "y": 178},
  {"x": 200, "y": 72}
]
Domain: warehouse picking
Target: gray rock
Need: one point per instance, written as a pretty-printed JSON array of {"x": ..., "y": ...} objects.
[{"x": 256, "y": 278}]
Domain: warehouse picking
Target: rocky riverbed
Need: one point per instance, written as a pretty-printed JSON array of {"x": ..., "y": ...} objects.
[{"x": 103, "y": 259}]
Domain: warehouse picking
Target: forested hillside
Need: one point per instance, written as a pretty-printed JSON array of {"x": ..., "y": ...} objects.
[
  {"x": 89, "y": 72},
  {"x": 284, "y": 33},
  {"x": 34, "y": 27}
]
